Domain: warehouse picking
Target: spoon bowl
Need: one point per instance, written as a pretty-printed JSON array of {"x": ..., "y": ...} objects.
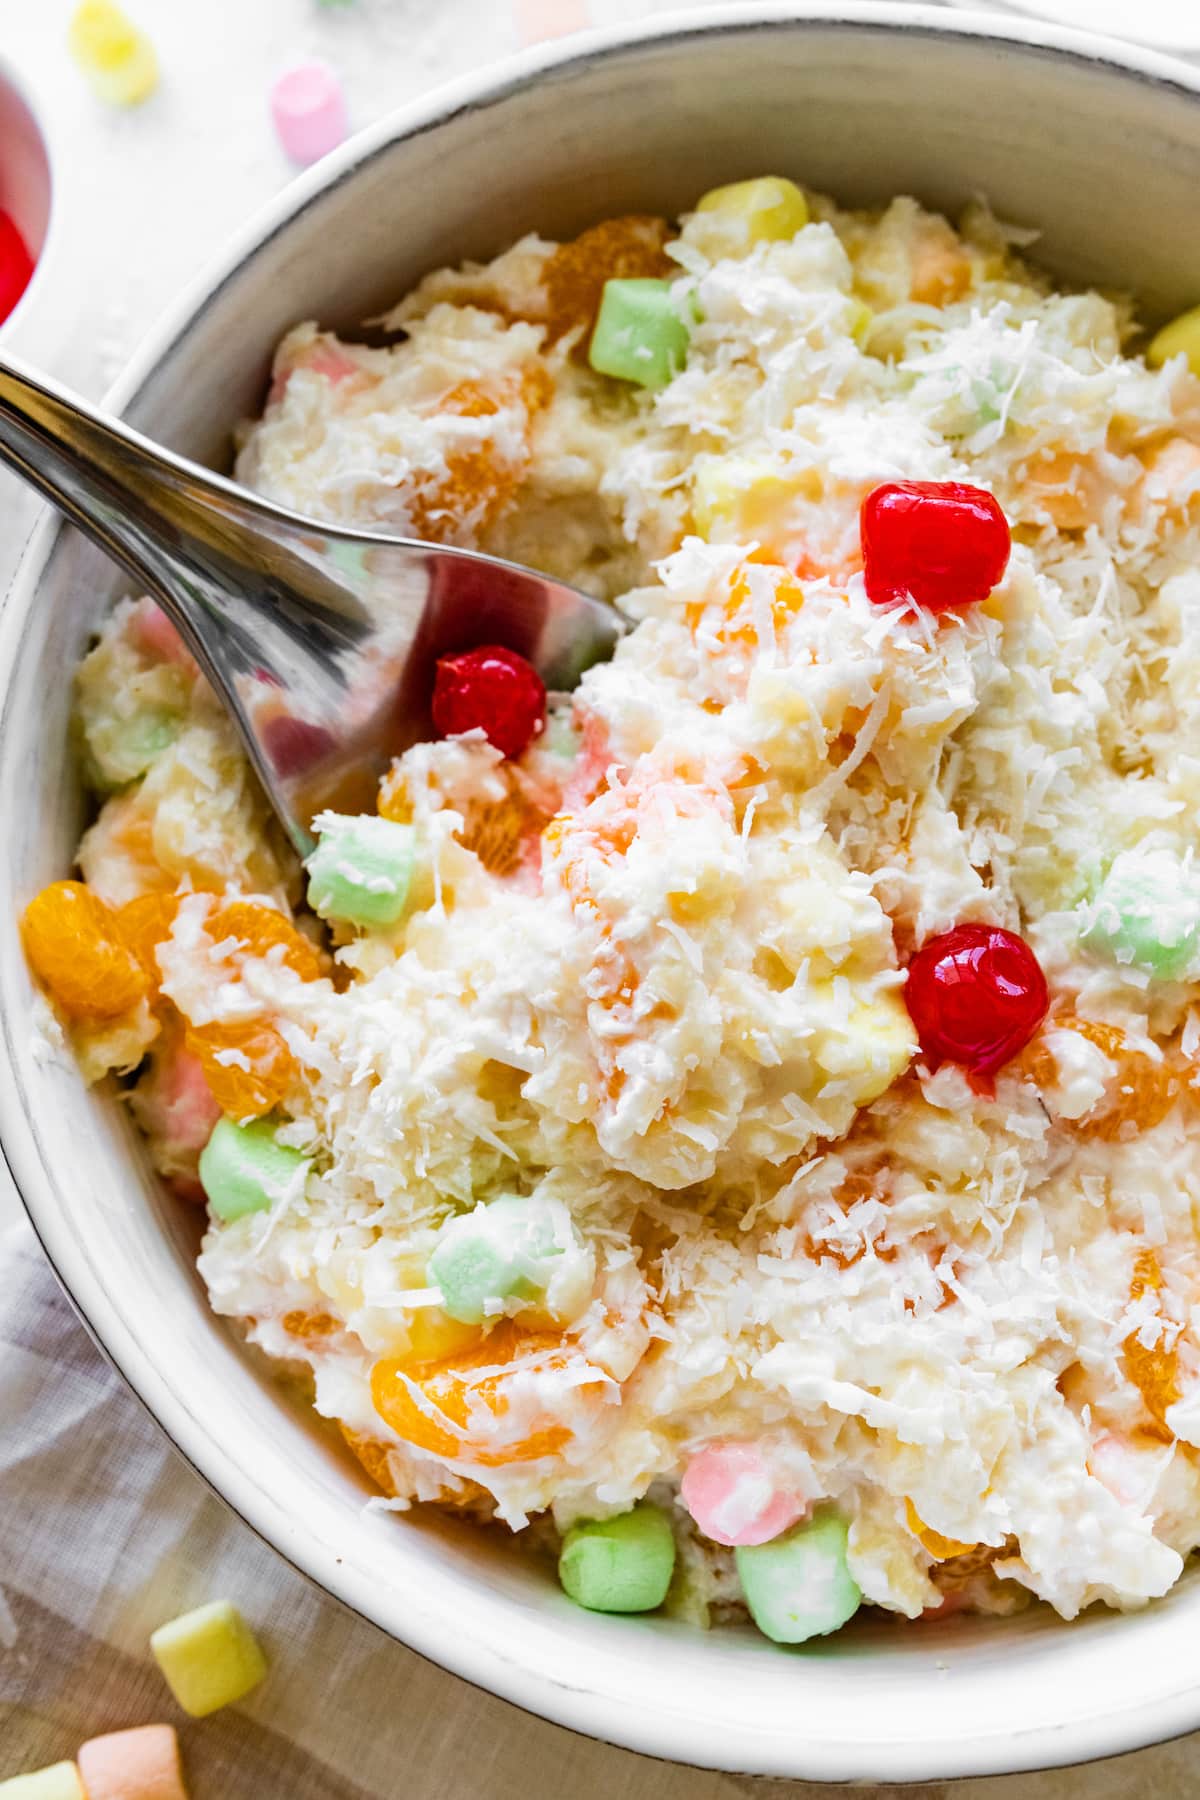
[{"x": 322, "y": 641}]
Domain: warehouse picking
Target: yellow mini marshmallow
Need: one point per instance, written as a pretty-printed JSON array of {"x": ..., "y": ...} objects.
[
  {"x": 116, "y": 57},
  {"x": 772, "y": 207},
  {"x": 58, "y": 1782},
  {"x": 1180, "y": 338},
  {"x": 141, "y": 1764},
  {"x": 210, "y": 1657}
]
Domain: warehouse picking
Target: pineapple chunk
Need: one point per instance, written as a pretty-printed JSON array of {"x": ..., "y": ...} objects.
[{"x": 770, "y": 208}]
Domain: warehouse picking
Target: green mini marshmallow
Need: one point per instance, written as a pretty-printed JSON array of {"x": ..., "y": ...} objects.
[
  {"x": 620, "y": 1565},
  {"x": 361, "y": 869},
  {"x": 799, "y": 1586},
  {"x": 1146, "y": 914},
  {"x": 243, "y": 1169},
  {"x": 639, "y": 335},
  {"x": 521, "y": 1248}
]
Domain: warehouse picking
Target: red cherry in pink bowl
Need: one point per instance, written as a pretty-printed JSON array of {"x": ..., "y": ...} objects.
[
  {"x": 976, "y": 995},
  {"x": 942, "y": 544},
  {"x": 25, "y": 194}
]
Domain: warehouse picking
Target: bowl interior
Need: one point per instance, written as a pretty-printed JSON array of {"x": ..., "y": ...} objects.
[
  {"x": 1102, "y": 156},
  {"x": 25, "y": 183}
]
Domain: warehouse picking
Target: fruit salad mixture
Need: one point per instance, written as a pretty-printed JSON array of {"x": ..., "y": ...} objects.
[{"x": 737, "y": 1122}]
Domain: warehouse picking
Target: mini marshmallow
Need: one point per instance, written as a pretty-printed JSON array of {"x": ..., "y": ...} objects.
[
  {"x": 639, "y": 335},
  {"x": 515, "y": 1253},
  {"x": 1146, "y": 914},
  {"x": 142, "y": 1764},
  {"x": 243, "y": 1170},
  {"x": 210, "y": 1657},
  {"x": 537, "y": 20},
  {"x": 361, "y": 869},
  {"x": 799, "y": 1586},
  {"x": 619, "y": 1565},
  {"x": 117, "y": 59},
  {"x": 154, "y": 634},
  {"x": 58, "y": 1782},
  {"x": 733, "y": 1497},
  {"x": 309, "y": 110}
]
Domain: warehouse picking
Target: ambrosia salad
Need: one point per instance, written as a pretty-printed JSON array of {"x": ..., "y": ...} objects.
[{"x": 736, "y": 1121}]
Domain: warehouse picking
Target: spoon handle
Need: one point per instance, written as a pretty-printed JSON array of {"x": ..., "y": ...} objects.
[
  {"x": 123, "y": 493},
  {"x": 175, "y": 528}
]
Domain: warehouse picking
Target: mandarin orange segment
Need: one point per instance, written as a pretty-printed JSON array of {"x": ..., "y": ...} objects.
[
  {"x": 859, "y": 1184},
  {"x": 470, "y": 400},
  {"x": 437, "y": 1417},
  {"x": 737, "y": 624},
  {"x": 248, "y": 1067},
  {"x": 1153, "y": 1370},
  {"x": 942, "y": 1549},
  {"x": 260, "y": 929},
  {"x": 475, "y": 489},
  {"x": 305, "y": 1324},
  {"x": 76, "y": 951},
  {"x": 1146, "y": 1089},
  {"x": 144, "y": 924},
  {"x": 395, "y": 801},
  {"x": 476, "y": 486},
  {"x": 372, "y": 1454},
  {"x": 631, "y": 247},
  {"x": 494, "y": 830}
]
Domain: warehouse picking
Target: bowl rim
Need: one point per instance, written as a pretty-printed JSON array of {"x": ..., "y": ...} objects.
[{"x": 498, "y": 1671}]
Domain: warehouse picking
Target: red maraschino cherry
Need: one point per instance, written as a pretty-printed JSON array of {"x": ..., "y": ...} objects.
[
  {"x": 940, "y": 543},
  {"x": 16, "y": 264},
  {"x": 976, "y": 995},
  {"x": 491, "y": 688}
]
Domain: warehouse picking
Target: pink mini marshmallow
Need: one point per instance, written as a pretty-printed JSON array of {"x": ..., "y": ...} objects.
[
  {"x": 142, "y": 1764},
  {"x": 537, "y": 20},
  {"x": 324, "y": 358},
  {"x": 154, "y": 634},
  {"x": 1122, "y": 1469},
  {"x": 330, "y": 361},
  {"x": 733, "y": 1497},
  {"x": 175, "y": 1107},
  {"x": 309, "y": 110}
]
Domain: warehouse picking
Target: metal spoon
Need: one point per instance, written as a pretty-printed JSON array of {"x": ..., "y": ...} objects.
[{"x": 320, "y": 640}]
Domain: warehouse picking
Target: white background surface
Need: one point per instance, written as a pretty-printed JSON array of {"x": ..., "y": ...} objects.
[{"x": 146, "y": 197}]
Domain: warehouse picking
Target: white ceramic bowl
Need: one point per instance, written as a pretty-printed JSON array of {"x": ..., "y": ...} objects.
[{"x": 1097, "y": 145}]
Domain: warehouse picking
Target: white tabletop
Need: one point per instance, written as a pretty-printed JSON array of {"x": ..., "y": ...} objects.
[{"x": 147, "y": 197}]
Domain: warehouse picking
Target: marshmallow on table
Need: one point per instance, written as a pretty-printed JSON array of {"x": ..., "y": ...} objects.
[
  {"x": 117, "y": 59},
  {"x": 59, "y": 1782},
  {"x": 210, "y": 1657},
  {"x": 142, "y": 1764},
  {"x": 309, "y": 110},
  {"x": 540, "y": 19}
]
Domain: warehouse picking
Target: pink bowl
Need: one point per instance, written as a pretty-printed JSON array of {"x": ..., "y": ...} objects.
[{"x": 26, "y": 181}]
